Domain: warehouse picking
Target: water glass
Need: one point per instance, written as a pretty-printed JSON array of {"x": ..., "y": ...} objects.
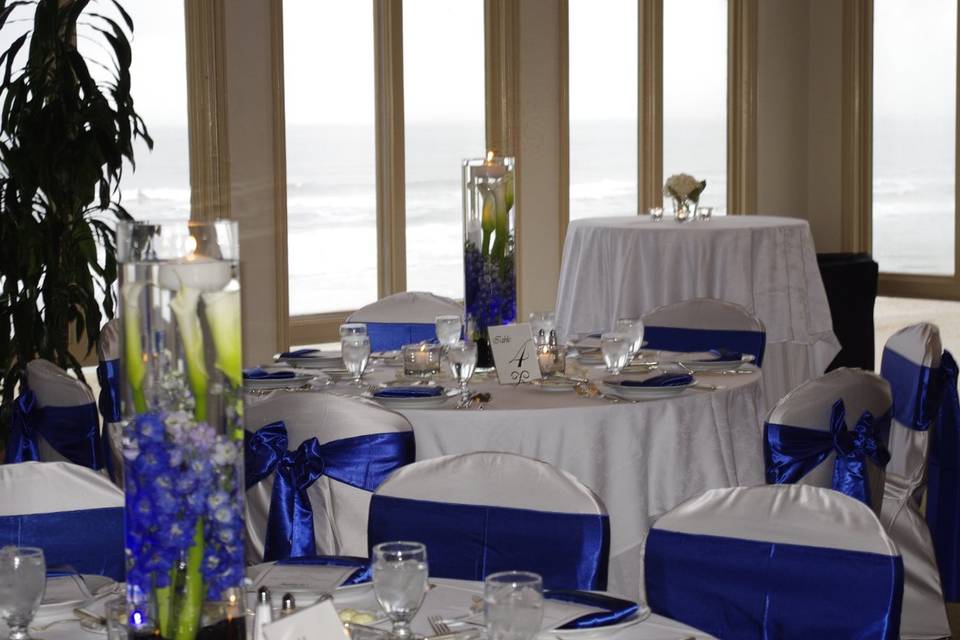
[
  {"x": 544, "y": 321},
  {"x": 23, "y": 579},
  {"x": 656, "y": 214},
  {"x": 355, "y": 351},
  {"x": 353, "y": 329},
  {"x": 513, "y": 605},
  {"x": 616, "y": 350},
  {"x": 705, "y": 213},
  {"x": 633, "y": 326},
  {"x": 115, "y": 612},
  {"x": 448, "y": 329},
  {"x": 400, "y": 582},
  {"x": 462, "y": 360}
]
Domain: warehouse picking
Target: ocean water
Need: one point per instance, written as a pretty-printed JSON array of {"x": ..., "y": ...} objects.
[{"x": 332, "y": 198}]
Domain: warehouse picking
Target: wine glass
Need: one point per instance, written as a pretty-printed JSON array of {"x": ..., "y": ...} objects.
[
  {"x": 400, "y": 582},
  {"x": 462, "y": 360},
  {"x": 355, "y": 351},
  {"x": 448, "y": 329},
  {"x": 23, "y": 579},
  {"x": 513, "y": 605},
  {"x": 616, "y": 350},
  {"x": 634, "y": 327},
  {"x": 353, "y": 329}
]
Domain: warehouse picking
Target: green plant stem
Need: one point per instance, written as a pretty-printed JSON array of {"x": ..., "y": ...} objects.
[
  {"x": 191, "y": 598},
  {"x": 488, "y": 219},
  {"x": 164, "y": 596}
]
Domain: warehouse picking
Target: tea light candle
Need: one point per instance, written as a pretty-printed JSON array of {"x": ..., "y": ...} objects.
[
  {"x": 489, "y": 169},
  {"x": 196, "y": 272},
  {"x": 421, "y": 359}
]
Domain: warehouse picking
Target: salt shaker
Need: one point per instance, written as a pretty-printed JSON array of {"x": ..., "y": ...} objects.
[{"x": 263, "y": 614}]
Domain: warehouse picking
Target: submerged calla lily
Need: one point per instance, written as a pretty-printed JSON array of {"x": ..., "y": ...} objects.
[
  {"x": 184, "y": 307},
  {"x": 223, "y": 315},
  {"x": 134, "y": 367}
]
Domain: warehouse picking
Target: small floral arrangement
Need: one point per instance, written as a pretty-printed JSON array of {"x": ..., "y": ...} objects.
[{"x": 683, "y": 187}]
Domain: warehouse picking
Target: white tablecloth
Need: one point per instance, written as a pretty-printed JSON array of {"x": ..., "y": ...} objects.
[
  {"x": 642, "y": 458},
  {"x": 627, "y": 266}
]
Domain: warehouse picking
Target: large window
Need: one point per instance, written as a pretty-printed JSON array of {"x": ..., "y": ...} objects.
[
  {"x": 603, "y": 107},
  {"x": 914, "y": 135},
  {"x": 695, "y": 94}
]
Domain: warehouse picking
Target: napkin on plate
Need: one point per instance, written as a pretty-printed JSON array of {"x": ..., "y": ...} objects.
[
  {"x": 362, "y": 572},
  {"x": 723, "y": 355},
  {"x": 408, "y": 392},
  {"x": 257, "y": 373},
  {"x": 615, "y": 610},
  {"x": 301, "y": 353},
  {"x": 662, "y": 380}
]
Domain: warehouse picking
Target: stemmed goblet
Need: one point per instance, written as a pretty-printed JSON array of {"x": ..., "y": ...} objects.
[
  {"x": 400, "y": 582},
  {"x": 23, "y": 579},
  {"x": 462, "y": 360}
]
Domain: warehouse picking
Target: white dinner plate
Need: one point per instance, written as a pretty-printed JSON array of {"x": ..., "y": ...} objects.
[
  {"x": 297, "y": 380},
  {"x": 63, "y": 594},
  {"x": 644, "y": 393},
  {"x": 603, "y": 631}
]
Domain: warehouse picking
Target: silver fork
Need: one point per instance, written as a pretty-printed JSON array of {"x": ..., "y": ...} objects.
[{"x": 439, "y": 626}]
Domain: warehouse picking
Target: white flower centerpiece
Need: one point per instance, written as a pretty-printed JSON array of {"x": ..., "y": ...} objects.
[{"x": 685, "y": 191}]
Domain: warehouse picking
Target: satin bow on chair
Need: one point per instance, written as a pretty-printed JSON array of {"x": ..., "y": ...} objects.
[
  {"x": 73, "y": 432},
  {"x": 943, "y": 485},
  {"x": 792, "y": 452},
  {"x": 361, "y": 461}
]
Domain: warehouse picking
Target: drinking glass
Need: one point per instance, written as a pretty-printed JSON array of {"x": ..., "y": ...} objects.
[
  {"x": 23, "y": 579},
  {"x": 656, "y": 214},
  {"x": 355, "y": 351},
  {"x": 448, "y": 329},
  {"x": 462, "y": 360},
  {"x": 616, "y": 350},
  {"x": 115, "y": 611},
  {"x": 545, "y": 321},
  {"x": 400, "y": 582},
  {"x": 705, "y": 213},
  {"x": 513, "y": 605},
  {"x": 353, "y": 329},
  {"x": 633, "y": 326}
]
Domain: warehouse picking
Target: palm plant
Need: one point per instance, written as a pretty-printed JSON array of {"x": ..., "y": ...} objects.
[{"x": 64, "y": 136}]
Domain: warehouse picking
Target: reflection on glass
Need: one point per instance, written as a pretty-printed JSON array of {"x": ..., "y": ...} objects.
[
  {"x": 695, "y": 94},
  {"x": 331, "y": 171},
  {"x": 914, "y": 102},
  {"x": 443, "y": 69},
  {"x": 603, "y": 107}
]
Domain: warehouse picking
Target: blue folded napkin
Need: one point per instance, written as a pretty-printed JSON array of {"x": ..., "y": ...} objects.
[
  {"x": 408, "y": 392},
  {"x": 61, "y": 570},
  {"x": 257, "y": 373},
  {"x": 363, "y": 573},
  {"x": 663, "y": 380},
  {"x": 615, "y": 610},
  {"x": 723, "y": 355},
  {"x": 300, "y": 353}
]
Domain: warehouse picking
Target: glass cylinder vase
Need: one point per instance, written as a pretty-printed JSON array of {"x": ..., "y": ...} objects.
[
  {"x": 489, "y": 249},
  {"x": 182, "y": 405}
]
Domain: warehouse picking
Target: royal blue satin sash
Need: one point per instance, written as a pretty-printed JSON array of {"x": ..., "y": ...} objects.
[
  {"x": 108, "y": 373},
  {"x": 790, "y": 452},
  {"x": 750, "y": 590},
  {"x": 681, "y": 339},
  {"x": 943, "y": 483},
  {"x": 73, "y": 432},
  {"x": 916, "y": 390},
  {"x": 90, "y": 540},
  {"x": 362, "y": 461},
  {"x": 615, "y": 610},
  {"x": 469, "y": 542},
  {"x": 362, "y": 574},
  {"x": 387, "y": 336}
]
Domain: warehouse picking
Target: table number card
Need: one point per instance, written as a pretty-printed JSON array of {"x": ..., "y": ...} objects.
[
  {"x": 514, "y": 353},
  {"x": 316, "y": 621}
]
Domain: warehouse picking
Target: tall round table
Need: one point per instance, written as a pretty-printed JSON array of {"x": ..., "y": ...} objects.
[{"x": 627, "y": 266}]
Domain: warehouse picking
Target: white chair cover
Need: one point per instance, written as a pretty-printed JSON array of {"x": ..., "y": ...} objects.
[
  {"x": 924, "y": 614},
  {"x": 109, "y": 351},
  {"x": 704, "y": 323},
  {"x": 404, "y": 318},
  {"x": 775, "y": 562},
  {"x": 339, "y": 510},
  {"x": 74, "y": 513},
  {"x": 527, "y": 512},
  {"x": 810, "y": 406},
  {"x": 54, "y": 387}
]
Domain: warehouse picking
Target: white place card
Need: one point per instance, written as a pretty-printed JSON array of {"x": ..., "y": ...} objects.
[
  {"x": 514, "y": 353},
  {"x": 316, "y": 621}
]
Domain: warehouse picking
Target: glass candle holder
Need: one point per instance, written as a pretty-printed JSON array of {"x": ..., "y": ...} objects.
[
  {"x": 552, "y": 359},
  {"x": 421, "y": 360}
]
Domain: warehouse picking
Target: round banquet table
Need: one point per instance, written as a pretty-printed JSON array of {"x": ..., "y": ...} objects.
[
  {"x": 641, "y": 458},
  {"x": 627, "y": 266}
]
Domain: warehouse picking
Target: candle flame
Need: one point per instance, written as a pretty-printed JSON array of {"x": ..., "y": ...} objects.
[{"x": 490, "y": 156}]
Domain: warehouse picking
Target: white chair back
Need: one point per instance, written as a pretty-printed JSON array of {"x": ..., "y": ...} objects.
[
  {"x": 54, "y": 387},
  {"x": 339, "y": 509},
  {"x": 810, "y": 406},
  {"x": 787, "y": 561},
  {"x": 488, "y": 511},
  {"x": 910, "y": 363},
  {"x": 417, "y": 307},
  {"x": 73, "y": 513}
]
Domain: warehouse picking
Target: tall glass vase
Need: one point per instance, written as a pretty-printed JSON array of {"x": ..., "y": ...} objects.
[
  {"x": 182, "y": 404},
  {"x": 489, "y": 249}
]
